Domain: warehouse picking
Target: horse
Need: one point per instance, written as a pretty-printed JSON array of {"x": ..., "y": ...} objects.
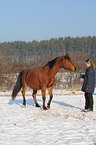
[{"x": 41, "y": 78}]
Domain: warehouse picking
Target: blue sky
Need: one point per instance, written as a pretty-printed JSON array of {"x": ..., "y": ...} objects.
[{"x": 28, "y": 20}]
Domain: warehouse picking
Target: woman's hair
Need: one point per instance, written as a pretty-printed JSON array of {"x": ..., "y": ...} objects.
[{"x": 89, "y": 61}]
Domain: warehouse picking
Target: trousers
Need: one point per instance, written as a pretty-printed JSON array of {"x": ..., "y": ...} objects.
[{"x": 88, "y": 101}]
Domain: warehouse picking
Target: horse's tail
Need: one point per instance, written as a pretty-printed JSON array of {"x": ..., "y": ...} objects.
[{"x": 18, "y": 85}]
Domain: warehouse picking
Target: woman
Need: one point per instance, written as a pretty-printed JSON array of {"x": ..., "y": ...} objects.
[{"x": 88, "y": 85}]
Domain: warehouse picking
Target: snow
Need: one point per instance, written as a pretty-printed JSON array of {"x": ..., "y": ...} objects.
[{"x": 63, "y": 124}]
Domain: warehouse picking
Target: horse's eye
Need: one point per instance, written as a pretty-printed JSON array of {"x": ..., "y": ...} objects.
[{"x": 68, "y": 60}]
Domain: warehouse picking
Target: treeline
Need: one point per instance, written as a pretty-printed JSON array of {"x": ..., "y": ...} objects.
[{"x": 37, "y": 53}]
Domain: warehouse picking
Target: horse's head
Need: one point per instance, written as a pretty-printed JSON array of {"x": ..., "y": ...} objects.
[{"x": 67, "y": 63}]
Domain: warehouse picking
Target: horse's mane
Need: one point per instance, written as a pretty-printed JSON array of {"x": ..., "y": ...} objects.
[{"x": 51, "y": 63}]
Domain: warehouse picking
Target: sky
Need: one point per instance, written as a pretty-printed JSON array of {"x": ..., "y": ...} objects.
[{"x": 28, "y": 20}]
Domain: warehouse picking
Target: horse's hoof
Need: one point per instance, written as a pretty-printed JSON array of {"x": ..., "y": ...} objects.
[
  {"x": 48, "y": 106},
  {"x": 37, "y": 105},
  {"x": 24, "y": 103},
  {"x": 45, "y": 108}
]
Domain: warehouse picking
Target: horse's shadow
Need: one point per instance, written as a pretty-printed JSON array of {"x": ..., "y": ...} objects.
[
  {"x": 31, "y": 103},
  {"x": 20, "y": 102}
]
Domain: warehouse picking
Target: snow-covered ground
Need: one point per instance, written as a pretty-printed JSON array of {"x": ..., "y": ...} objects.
[{"x": 63, "y": 124}]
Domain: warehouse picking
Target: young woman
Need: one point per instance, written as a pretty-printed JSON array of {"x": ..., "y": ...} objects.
[{"x": 88, "y": 85}]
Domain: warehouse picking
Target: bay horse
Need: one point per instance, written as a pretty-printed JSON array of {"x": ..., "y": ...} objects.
[{"x": 42, "y": 78}]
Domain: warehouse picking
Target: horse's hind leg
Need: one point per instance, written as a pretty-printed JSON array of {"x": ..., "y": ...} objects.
[
  {"x": 23, "y": 93},
  {"x": 44, "y": 97},
  {"x": 51, "y": 96},
  {"x": 34, "y": 97}
]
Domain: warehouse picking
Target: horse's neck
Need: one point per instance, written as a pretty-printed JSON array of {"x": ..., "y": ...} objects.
[{"x": 56, "y": 67}]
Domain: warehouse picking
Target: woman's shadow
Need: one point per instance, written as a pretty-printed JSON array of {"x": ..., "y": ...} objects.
[{"x": 66, "y": 105}]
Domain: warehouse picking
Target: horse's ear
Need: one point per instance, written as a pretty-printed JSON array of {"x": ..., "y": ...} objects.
[{"x": 66, "y": 56}]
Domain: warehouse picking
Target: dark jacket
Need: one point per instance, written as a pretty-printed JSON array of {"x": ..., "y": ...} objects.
[{"x": 89, "y": 80}]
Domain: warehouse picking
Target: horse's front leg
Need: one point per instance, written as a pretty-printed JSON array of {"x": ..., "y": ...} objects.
[
  {"x": 51, "y": 96},
  {"x": 44, "y": 97},
  {"x": 34, "y": 97}
]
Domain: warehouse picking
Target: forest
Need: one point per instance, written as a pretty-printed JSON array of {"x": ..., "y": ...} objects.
[{"x": 18, "y": 55}]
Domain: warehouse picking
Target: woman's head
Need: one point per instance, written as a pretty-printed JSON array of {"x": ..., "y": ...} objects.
[{"x": 89, "y": 63}]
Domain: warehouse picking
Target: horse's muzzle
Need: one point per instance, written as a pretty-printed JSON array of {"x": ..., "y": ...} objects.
[{"x": 74, "y": 69}]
